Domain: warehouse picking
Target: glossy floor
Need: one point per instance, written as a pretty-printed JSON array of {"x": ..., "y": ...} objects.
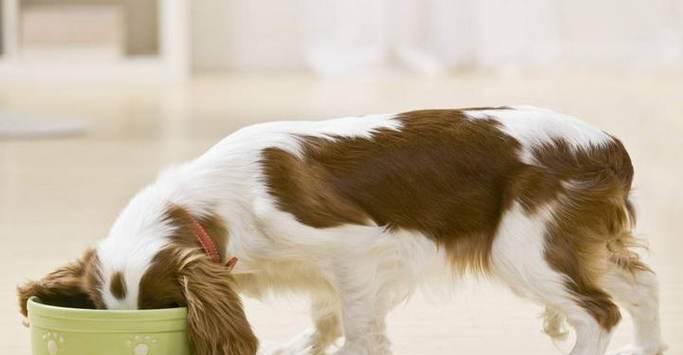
[{"x": 58, "y": 196}]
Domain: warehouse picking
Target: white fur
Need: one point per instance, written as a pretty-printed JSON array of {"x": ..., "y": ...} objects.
[
  {"x": 355, "y": 274},
  {"x": 518, "y": 258},
  {"x": 533, "y": 126}
]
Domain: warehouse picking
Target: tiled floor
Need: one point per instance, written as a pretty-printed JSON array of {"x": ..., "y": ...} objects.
[{"x": 58, "y": 196}]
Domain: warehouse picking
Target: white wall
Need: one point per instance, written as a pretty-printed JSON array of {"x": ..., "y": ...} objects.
[
  {"x": 248, "y": 35},
  {"x": 435, "y": 35}
]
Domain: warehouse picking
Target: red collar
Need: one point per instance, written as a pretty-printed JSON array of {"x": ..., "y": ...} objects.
[
  {"x": 208, "y": 244},
  {"x": 205, "y": 240}
]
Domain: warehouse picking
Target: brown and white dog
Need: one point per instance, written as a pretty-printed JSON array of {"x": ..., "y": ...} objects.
[{"x": 357, "y": 211}]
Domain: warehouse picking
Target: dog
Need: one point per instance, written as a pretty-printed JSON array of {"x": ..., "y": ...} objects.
[{"x": 356, "y": 212}]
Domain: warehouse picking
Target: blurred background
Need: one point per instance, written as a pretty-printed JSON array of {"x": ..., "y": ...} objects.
[
  {"x": 162, "y": 39},
  {"x": 96, "y": 96}
]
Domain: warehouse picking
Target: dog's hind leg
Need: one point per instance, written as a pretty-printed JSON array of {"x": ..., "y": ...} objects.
[
  {"x": 518, "y": 257},
  {"x": 634, "y": 286}
]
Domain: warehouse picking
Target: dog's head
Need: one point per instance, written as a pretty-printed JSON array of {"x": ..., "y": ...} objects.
[{"x": 151, "y": 263}]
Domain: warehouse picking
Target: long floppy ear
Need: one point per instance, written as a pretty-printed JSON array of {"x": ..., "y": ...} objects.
[
  {"x": 68, "y": 286},
  {"x": 216, "y": 320}
]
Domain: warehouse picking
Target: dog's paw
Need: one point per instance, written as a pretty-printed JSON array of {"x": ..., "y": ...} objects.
[
  {"x": 640, "y": 350},
  {"x": 286, "y": 350},
  {"x": 351, "y": 349},
  {"x": 303, "y": 344}
]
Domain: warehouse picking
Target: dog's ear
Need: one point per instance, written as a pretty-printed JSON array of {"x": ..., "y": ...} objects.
[
  {"x": 216, "y": 321},
  {"x": 68, "y": 286}
]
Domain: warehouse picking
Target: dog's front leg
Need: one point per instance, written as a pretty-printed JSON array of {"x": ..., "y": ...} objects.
[
  {"x": 357, "y": 293},
  {"x": 382, "y": 345},
  {"x": 326, "y": 330}
]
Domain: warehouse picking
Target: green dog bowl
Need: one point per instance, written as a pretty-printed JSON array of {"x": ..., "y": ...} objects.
[{"x": 74, "y": 331}]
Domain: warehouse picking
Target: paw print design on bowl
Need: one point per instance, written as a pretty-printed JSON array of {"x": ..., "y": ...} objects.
[
  {"x": 140, "y": 345},
  {"x": 52, "y": 342}
]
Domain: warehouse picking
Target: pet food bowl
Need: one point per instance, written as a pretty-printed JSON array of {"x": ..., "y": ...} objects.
[{"x": 75, "y": 331}]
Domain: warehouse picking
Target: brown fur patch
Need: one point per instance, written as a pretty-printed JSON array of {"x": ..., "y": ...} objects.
[
  {"x": 159, "y": 285},
  {"x": 118, "y": 285},
  {"x": 593, "y": 213},
  {"x": 441, "y": 174},
  {"x": 75, "y": 285},
  {"x": 216, "y": 319}
]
